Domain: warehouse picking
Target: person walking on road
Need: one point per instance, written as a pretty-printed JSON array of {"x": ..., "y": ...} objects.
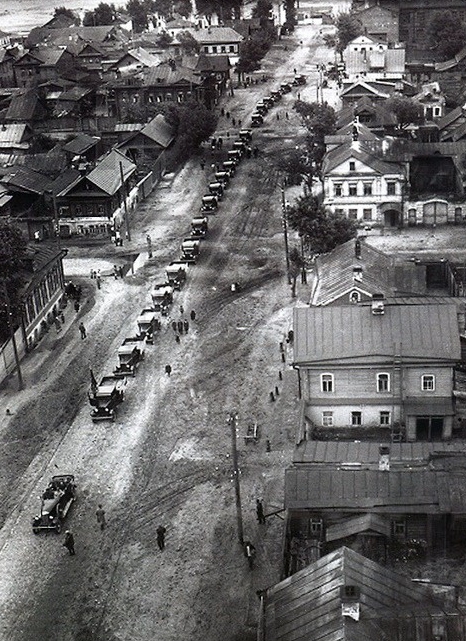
[
  {"x": 193, "y": 315},
  {"x": 100, "y": 515},
  {"x": 174, "y": 325},
  {"x": 168, "y": 370},
  {"x": 69, "y": 542},
  {"x": 180, "y": 326},
  {"x": 186, "y": 326},
  {"x": 260, "y": 512},
  {"x": 82, "y": 329},
  {"x": 161, "y": 537}
]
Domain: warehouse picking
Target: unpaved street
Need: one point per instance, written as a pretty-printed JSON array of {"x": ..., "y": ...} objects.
[{"x": 166, "y": 460}]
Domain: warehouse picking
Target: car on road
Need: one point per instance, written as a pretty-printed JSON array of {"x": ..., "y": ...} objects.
[
  {"x": 285, "y": 87},
  {"x": 234, "y": 155},
  {"x": 229, "y": 166},
  {"x": 209, "y": 203},
  {"x": 129, "y": 357},
  {"x": 268, "y": 101},
  {"x": 245, "y": 135},
  {"x": 56, "y": 501},
  {"x": 299, "y": 80},
  {"x": 216, "y": 189},
  {"x": 199, "y": 226},
  {"x": 262, "y": 108},
  {"x": 105, "y": 397},
  {"x": 223, "y": 177},
  {"x": 276, "y": 96},
  {"x": 257, "y": 119}
]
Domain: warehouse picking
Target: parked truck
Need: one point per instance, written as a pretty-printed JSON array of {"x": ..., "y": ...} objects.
[
  {"x": 105, "y": 397},
  {"x": 176, "y": 274},
  {"x": 199, "y": 226},
  {"x": 148, "y": 323},
  {"x": 190, "y": 250},
  {"x": 162, "y": 297},
  {"x": 129, "y": 357}
]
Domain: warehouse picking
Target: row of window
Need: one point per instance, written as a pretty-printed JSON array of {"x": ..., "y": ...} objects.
[
  {"x": 383, "y": 382},
  {"x": 221, "y": 49},
  {"x": 353, "y": 213},
  {"x": 354, "y": 188},
  {"x": 355, "y": 418}
]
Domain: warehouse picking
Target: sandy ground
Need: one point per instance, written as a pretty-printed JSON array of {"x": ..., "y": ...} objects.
[{"x": 167, "y": 458}]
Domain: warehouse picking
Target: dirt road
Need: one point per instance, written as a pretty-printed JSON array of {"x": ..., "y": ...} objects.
[{"x": 166, "y": 460}]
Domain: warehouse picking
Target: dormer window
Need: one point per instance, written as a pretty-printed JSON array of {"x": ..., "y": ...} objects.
[{"x": 352, "y": 165}]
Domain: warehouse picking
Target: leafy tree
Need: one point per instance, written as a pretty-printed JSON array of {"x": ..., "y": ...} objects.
[
  {"x": 322, "y": 230},
  {"x": 193, "y": 124},
  {"x": 183, "y": 7},
  {"x": 407, "y": 111},
  {"x": 292, "y": 162},
  {"x": 320, "y": 121},
  {"x": 164, "y": 7},
  {"x": 64, "y": 11},
  {"x": 137, "y": 9},
  {"x": 297, "y": 263},
  {"x": 12, "y": 254},
  {"x": 446, "y": 33},
  {"x": 104, "y": 14},
  {"x": 348, "y": 28},
  {"x": 290, "y": 14},
  {"x": 225, "y": 9},
  {"x": 254, "y": 49},
  {"x": 262, "y": 10},
  {"x": 188, "y": 44},
  {"x": 164, "y": 39}
]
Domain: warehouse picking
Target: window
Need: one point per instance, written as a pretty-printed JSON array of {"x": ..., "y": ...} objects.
[
  {"x": 214, "y": 49},
  {"x": 391, "y": 188},
  {"x": 339, "y": 212},
  {"x": 206, "y": 49},
  {"x": 315, "y": 526},
  {"x": 428, "y": 383},
  {"x": 223, "y": 49},
  {"x": 353, "y": 214},
  {"x": 326, "y": 382},
  {"x": 327, "y": 419},
  {"x": 399, "y": 528},
  {"x": 353, "y": 189},
  {"x": 100, "y": 210},
  {"x": 384, "y": 419},
  {"x": 367, "y": 214},
  {"x": 437, "y": 111},
  {"x": 356, "y": 419},
  {"x": 367, "y": 189},
  {"x": 338, "y": 190},
  {"x": 352, "y": 165},
  {"x": 232, "y": 48},
  {"x": 383, "y": 382},
  {"x": 354, "y": 298}
]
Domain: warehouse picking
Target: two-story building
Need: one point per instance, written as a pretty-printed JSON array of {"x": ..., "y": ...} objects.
[
  {"x": 388, "y": 363},
  {"x": 370, "y": 60},
  {"x": 360, "y": 185},
  {"x": 379, "y": 23},
  {"x": 218, "y": 40}
]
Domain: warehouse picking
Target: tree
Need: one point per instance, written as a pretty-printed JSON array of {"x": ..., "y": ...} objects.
[
  {"x": 12, "y": 255},
  {"x": 320, "y": 121},
  {"x": 138, "y": 11},
  {"x": 262, "y": 10},
  {"x": 407, "y": 111},
  {"x": 193, "y": 124},
  {"x": 163, "y": 7},
  {"x": 348, "y": 28},
  {"x": 104, "y": 14},
  {"x": 189, "y": 45},
  {"x": 183, "y": 7},
  {"x": 446, "y": 33},
  {"x": 64, "y": 11},
  {"x": 297, "y": 264},
  {"x": 254, "y": 49},
  {"x": 225, "y": 9},
  {"x": 164, "y": 39},
  {"x": 322, "y": 230},
  {"x": 290, "y": 14}
]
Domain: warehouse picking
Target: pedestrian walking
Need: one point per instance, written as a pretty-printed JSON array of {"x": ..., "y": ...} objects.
[
  {"x": 98, "y": 281},
  {"x": 82, "y": 329},
  {"x": 76, "y": 306},
  {"x": 278, "y": 116},
  {"x": 180, "y": 326},
  {"x": 255, "y": 152},
  {"x": 161, "y": 536},
  {"x": 294, "y": 71},
  {"x": 193, "y": 315},
  {"x": 174, "y": 325},
  {"x": 62, "y": 317},
  {"x": 228, "y": 114},
  {"x": 186, "y": 326},
  {"x": 220, "y": 142},
  {"x": 233, "y": 122},
  {"x": 181, "y": 309},
  {"x": 120, "y": 271},
  {"x": 115, "y": 272},
  {"x": 92, "y": 273},
  {"x": 299, "y": 96},
  {"x": 260, "y": 512},
  {"x": 100, "y": 515},
  {"x": 286, "y": 115},
  {"x": 239, "y": 122},
  {"x": 222, "y": 111},
  {"x": 202, "y": 163},
  {"x": 168, "y": 370},
  {"x": 69, "y": 542},
  {"x": 177, "y": 338}
]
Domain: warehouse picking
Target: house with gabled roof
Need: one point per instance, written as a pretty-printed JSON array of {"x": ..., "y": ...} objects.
[
  {"x": 148, "y": 146},
  {"x": 355, "y": 271},
  {"x": 96, "y": 203},
  {"x": 371, "y": 60},
  {"x": 133, "y": 60},
  {"x": 42, "y": 64},
  {"x": 379, "y": 23},
  {"x": 7, "y": 60},
  {"x": 345, "y": 596},
  {"x": 373, "y": 115},
  {"x": 377, "y": 91},
  {"x": 219, "y": 40},
  {"x": 386, "y": 363},
  {"x": 26, "y": 106},
  {"x": 361, "y": 185}
]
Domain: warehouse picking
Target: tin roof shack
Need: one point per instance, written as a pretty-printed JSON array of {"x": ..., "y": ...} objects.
[
  {"x": 346, "y": 597},
  {"x": 94, "y": 203},
  {"x": 383, "y": 366},
  {"x": 389, "y": 501}
]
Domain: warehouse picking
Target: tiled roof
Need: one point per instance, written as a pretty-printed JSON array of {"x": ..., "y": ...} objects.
[
  {"x": 344, "y": 333},
  {"x": 159, "y": 130},
  {"x": 80, "y": 144},
  {"x": 107, "y": 173}
]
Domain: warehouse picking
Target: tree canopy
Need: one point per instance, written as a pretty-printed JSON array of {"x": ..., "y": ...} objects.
[
  {"x": 407, "y": 111},
  {"x": 189, "y": 45},
  {"x": 446, "y": 34},
  {"x": 64, "y": 11},
  {"x": 290, "y": 14},
  {"x": 320, "y": 121},
  {"x": 225, "y": 9},
  {"x": 348, "y": 28},
  {"x": 322, "y": 230},
  {"x": 12, "y": 254},
  {"x": 103, "y": 15},
  {"x": 139, "y": 11}
]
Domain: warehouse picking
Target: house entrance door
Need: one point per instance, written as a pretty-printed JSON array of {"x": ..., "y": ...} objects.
[
  {"x": 429, "y": 428},
  {"x": 391, "y": 217}
]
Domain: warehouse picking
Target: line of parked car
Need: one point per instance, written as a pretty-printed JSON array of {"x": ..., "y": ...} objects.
[{"x": 263, "y": 106}]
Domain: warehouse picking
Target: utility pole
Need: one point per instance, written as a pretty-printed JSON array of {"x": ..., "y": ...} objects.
[
  {"x": 285, "y": 234},
  {"x": 239, "y": 517},
  {"x": 12, "y": 336},
  {"x": 128, "y": 231}
]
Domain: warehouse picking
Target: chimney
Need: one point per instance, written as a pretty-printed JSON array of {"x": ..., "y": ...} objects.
[
  {"x": 349, "y": 596},
  {"x": 357, "y": 248},
  {"x": 378, "y": 304},
  {"x": 384, "y": 458},
  {"x": 357, "y": 274}
]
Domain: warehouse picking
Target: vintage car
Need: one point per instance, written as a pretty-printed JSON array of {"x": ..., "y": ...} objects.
[
  {"x": 56, "y": 501},
  {"x": 190, "y": 250},
  {"x": 105, "y": 397},
  {"x": 216, "y": 189},
  {"x": 209, "y": 203},
  {"x": 162, "y": 297},
  {"x": 229, "y": 166},
  {"x": 199, "y": 226},
  {"x": 257, "y": 119},
  {"x": 245, "y": 135},
  {"x": 176, "y": 274},
  {"x": 148, "y": 323},
  {"x": 222, "y": 177},
  {"x": 129, "y": 357}
]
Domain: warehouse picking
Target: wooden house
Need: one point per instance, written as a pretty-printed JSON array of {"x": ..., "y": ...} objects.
[{"x": 384, "y": 364}]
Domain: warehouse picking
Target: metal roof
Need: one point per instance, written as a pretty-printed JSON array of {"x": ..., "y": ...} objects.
[
  {"x": 357, "y": 524},
  {"x": 418, "y": 332},
  {"x": 214, "y": 35},
  {"x": 307, "y": 606},
  {"x": 107, "y": 173},
  {"x": 159, "y": 130},
  {"x": 360, "y": 150},
  {"x": 80, "y": 144}
]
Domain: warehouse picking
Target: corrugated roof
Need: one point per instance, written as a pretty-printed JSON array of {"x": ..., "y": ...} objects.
[
  {"x": 451, "y": 116},
  {"x": 214, "y": 35},
  {"x": 421, "y": 332},
  {"x": 22, "y": 106},
  {"x": 12, "y": 133},
  {"x": 307, "y": 605},
  {"x": 24, "y": 179},
  {"x": 368, "y": 152},
  {"x": 159, "y": 130},
  {"x": 107, "y": 174},
  {"x": 166, "y": 75}
]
